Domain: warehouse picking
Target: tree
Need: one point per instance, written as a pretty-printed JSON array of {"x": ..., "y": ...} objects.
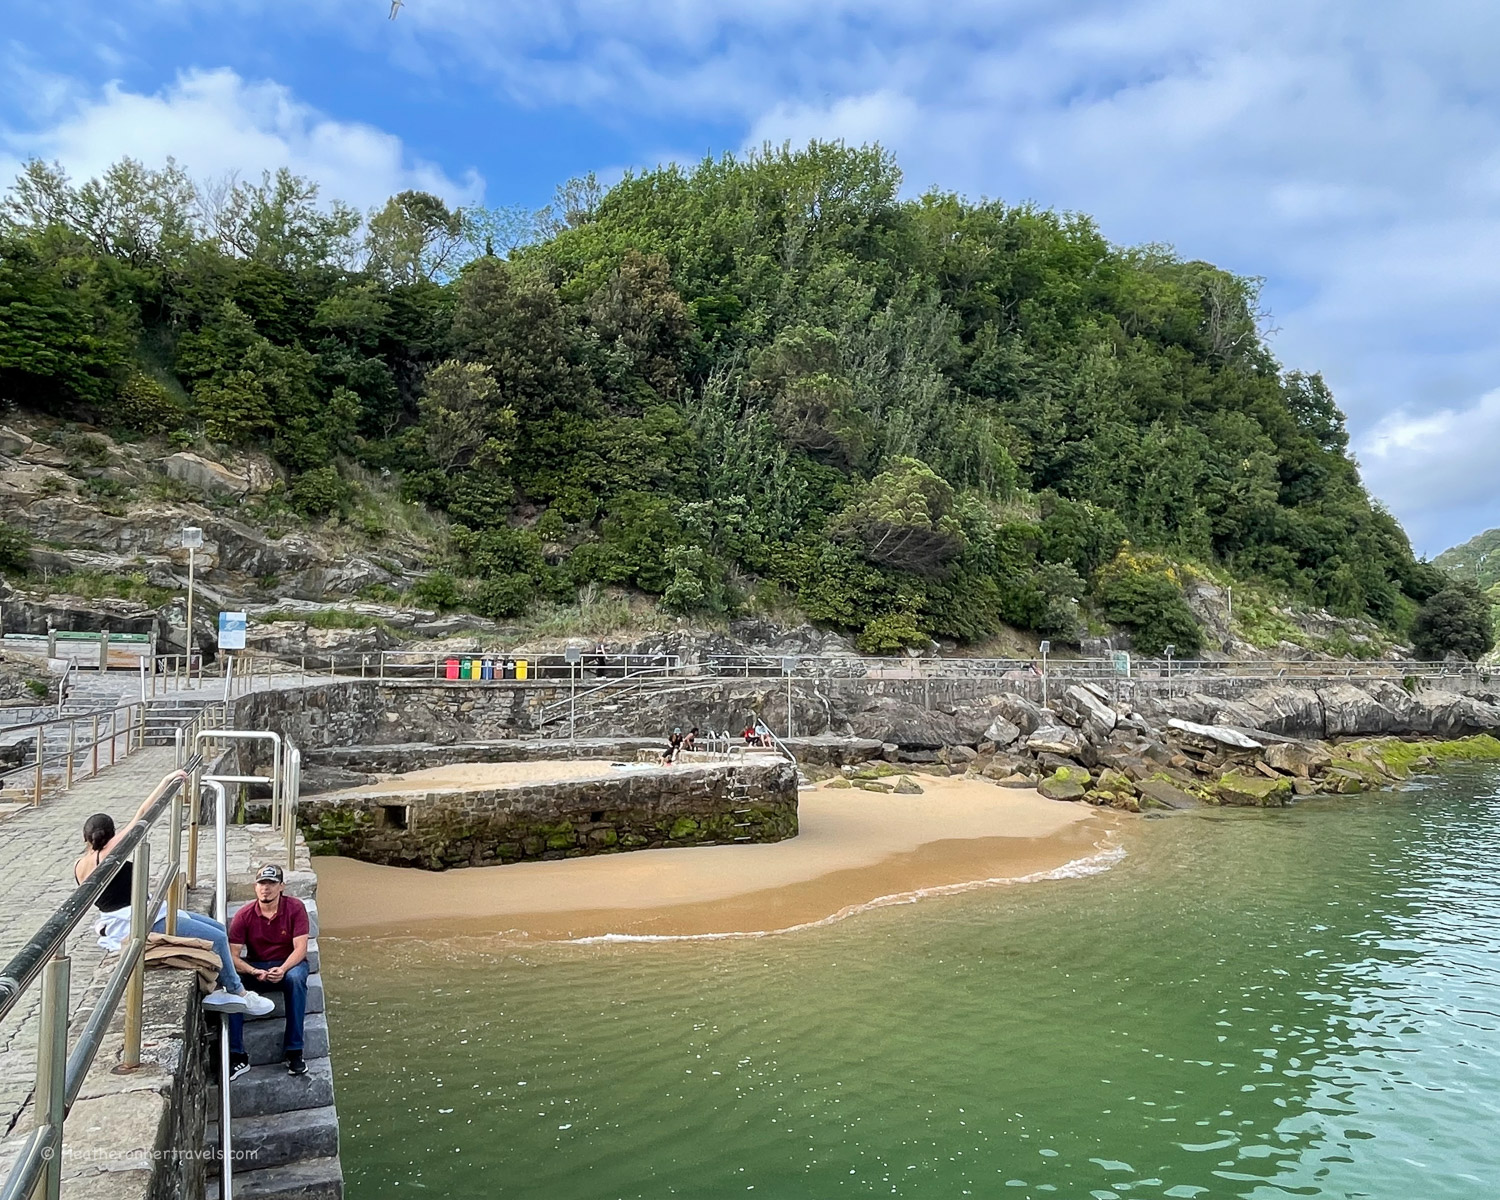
[
  {"x": 415, "y": 238},
  {"x": 1455, "y": 620},
  {"x": 903, "y": 519},
  {"x": 461, "y": 417}
]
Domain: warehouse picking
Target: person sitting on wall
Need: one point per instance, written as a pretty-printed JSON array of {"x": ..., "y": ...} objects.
[
  {"x": 690, "y": 739},
  {"x": 674, "y": 747},
  {"x": 269, "y": 938},
  {"x": 113, "y": 925},
  {"x": 750, "y": 735}
]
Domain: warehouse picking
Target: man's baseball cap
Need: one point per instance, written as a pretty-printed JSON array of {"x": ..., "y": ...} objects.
[{"x": 270, "y": 873}]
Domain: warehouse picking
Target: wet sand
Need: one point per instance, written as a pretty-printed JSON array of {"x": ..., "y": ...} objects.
[{"x": 856, "y": 849}]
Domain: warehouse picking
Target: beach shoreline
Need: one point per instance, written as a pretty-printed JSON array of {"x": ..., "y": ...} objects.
[{"x": 857, "y": 849}]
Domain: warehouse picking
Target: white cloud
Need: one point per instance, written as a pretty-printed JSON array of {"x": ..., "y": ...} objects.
[
  {"x": 215, "y": 123},
  {"x": 1348, "y": 152}
]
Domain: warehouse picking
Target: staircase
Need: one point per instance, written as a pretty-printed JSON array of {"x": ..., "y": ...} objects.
[{"x": 285, "y": 1129}]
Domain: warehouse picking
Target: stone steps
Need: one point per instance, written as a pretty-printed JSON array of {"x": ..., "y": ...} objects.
[
  {"x": 277, "y": 1139},
  {"x": 268, "y": 1089},
  {"x": 315, "y": 1179},
  {"x": 263, "y": 1039}
]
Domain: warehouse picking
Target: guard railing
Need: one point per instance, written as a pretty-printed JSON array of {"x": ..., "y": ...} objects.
[
  {"x": 65, "y": 747},
  {"x": 60, "y": 1072}
]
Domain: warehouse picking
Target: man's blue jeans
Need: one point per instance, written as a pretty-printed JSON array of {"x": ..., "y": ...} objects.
[{"x": 294, "y": 986}]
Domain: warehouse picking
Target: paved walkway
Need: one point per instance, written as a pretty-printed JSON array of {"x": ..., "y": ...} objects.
[{"x": 37, "y": 849}]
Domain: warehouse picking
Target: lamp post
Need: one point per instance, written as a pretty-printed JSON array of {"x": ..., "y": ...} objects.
[
  {"x": 192, "y": 538},
  {"x": 573, "y": 656},
  {"x": 789, "y": 668},
  {"x": 1045, "y": 647},
  {"x": 1170, "y": 650}
]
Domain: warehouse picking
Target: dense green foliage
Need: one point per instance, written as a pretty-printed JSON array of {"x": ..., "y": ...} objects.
[
  {"x": 1456, "y": 620},
  {"x": 916, "y": 417},
  {"x": 1478, "y": 559}
]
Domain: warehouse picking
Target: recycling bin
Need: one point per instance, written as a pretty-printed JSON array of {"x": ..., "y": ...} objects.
[
  {"x": 452, "y": 668},
  {"x": 510, "y": 668},
  {"x": 488, "y": 670},
  {"x": 465, "y": 667},
  {"x": 520, "y": 668}
]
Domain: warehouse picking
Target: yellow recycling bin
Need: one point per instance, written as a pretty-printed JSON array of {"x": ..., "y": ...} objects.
[{"x": 520, "y": 668}]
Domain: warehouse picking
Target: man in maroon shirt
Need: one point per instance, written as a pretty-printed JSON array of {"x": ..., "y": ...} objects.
[{"x": 269, "y": 942}]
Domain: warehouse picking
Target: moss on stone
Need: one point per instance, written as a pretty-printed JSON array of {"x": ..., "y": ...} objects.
[{"x": 1397, "y": 752}]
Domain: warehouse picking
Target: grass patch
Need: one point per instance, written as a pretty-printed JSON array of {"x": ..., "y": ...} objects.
[
  {"x": 330, "y": 618},
  {"x": 102, "y": 585}
]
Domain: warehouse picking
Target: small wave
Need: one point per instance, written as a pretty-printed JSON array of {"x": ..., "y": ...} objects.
[{"x": 1080, "y": 868}]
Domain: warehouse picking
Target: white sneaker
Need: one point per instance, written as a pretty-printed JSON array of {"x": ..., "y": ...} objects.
[
  {"x": 225, "y": 1002},
  {"x": 257, "y": 1005}
]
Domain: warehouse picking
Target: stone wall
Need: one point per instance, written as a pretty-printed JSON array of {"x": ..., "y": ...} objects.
[{"x": 634, "y": 810}]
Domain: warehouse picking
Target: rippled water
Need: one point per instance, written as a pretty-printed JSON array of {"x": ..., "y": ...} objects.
[{"x": 1303, "y": 1003}]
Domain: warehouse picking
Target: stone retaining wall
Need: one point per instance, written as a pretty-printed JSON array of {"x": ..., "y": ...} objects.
[{"x": 634, "y": 810}]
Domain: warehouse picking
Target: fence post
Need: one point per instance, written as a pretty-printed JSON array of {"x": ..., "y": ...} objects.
[
  {"x": 94, "y": 749},
  {"x": 135, "y": 990},
  {"x": 52, "y": 1066},
  {"x": 174, "y": 858},
  {"x": 41, "y": 744},
  {"x": 195, "y": 791},
  {"x": 114, "y": 734},
  {"x": 72, "y": 742}
]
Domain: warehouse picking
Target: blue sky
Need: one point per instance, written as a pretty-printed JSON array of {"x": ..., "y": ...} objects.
[{"x": 1348, "y": 151}]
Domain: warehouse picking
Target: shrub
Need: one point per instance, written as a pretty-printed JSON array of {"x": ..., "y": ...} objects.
[
  {"x": 320, "y": 493},
  {"x": 438, "y": 590},
  {"x": 15, "y": 549},
  {"x": 1455, "y": 620},
  {"x": 1143, "y": 592},
  {"x": 892, "y": 633}
]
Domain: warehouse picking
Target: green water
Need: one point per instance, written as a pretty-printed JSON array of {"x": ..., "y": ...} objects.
[{"x": 1303, "y": 1003}]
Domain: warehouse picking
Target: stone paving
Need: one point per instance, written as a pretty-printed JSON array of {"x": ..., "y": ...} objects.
[{"x": 38, "y": 847}]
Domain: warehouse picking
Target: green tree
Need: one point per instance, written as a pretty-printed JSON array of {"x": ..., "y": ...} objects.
[{"x": 1455, "y": 620}]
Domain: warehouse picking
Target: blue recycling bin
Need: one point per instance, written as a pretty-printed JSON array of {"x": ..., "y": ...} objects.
[{"x": 487, "y": 671}]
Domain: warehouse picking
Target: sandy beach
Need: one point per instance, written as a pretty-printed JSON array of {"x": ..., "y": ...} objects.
[{"x": 855, "y": 849}]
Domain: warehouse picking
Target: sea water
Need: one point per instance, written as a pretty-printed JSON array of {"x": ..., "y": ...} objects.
[{"x": 1247, "y": 1004}]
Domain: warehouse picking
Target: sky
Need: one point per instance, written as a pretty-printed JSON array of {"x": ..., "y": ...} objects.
[{"x": 1345, "y": 151}]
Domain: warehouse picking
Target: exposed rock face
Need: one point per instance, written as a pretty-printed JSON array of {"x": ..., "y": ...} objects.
[
  {"x": 1055, "y": 739},
  {"x": 1211, "y": 734},
  {"x": 207, "y": 476}
]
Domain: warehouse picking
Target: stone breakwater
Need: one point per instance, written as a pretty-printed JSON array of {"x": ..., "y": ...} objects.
[{"x": 636, "y": 808}]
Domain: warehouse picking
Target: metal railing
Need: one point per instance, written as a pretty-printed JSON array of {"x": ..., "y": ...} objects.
[
  {"x": 60, "y": 1073},
  {"x": 117, "y": 732}
]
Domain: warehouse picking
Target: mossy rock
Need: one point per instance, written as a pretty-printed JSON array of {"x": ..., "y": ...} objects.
[
  {"x": 1064, "y": 784},
  {"x": 877, "y": 770},
  {"x": 838, "y": 783},
  {"x": 871, "y": 785},
  {"x": 907, "y": 786},
  {"x": 1253, "y": 791},
  {"x": 682, "y": 829}
]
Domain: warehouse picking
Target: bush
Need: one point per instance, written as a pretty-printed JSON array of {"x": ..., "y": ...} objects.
[
  {"x": 892, "y": 633},
  {"x": 1143, "y": 593},
  {"x": 320, "y": 493},
  {"x": 145, "y": 404},
  {"x": 15, "y": 549},
  {"x": 438, "y": 590},
  {"x": 1455, "y": 620}
]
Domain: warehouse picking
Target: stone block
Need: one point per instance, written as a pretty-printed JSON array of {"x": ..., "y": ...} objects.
[{"x": 1253, "y": 791}]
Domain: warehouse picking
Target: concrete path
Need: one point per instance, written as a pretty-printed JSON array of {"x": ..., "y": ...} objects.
[{"x": 37, "y": 849}]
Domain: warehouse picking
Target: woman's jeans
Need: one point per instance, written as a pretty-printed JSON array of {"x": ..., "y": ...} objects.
[{"x": 193, "y": 926}]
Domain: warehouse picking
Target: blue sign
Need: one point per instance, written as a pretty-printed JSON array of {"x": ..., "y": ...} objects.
[{"x": 232, "y": 630}]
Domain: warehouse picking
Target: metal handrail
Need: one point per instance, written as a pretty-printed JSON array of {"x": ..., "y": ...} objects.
[
  {"x": 133, "y": 731},
  {"x": 780, "y": 745},
  {"x": 60, "y": 1075}
]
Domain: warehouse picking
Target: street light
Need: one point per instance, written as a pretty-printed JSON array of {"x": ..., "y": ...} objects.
[
  {"x": 192, "y": 538},
  {"x": 1170, "y": 650},
  {"x": 1045, "y": 646}
]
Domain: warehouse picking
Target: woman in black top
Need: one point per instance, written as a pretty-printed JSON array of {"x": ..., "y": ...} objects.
[{"x": 113, "y": 926}]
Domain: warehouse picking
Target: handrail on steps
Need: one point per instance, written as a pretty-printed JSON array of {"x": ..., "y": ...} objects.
[{"x": 60, "y": 1074}]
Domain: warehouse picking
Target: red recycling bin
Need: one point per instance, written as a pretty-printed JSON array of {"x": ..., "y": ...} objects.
[{"x": 452, "y": 666}]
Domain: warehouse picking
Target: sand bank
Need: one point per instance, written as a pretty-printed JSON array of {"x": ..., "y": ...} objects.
[{"x": 855, "y": 848}]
